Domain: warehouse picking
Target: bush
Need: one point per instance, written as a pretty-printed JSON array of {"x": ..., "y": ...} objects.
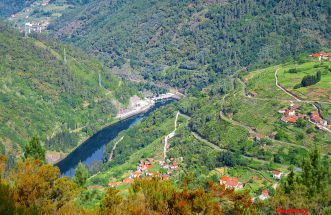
[
  {"x": 311, "y": 79},
  {"x": 293, "y": 70},
  {"x": 310, "y": 130},
  {"x": 301, "y": 123}
]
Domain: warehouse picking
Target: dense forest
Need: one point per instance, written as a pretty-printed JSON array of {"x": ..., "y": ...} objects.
[
  {"x": 186, "y": 43},
  {"x": 9, "y": 7},
  {"x": 41, "y": 90}
]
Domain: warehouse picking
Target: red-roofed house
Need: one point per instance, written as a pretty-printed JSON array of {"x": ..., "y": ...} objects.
[
  {"x": 291, "y": 119},
  {"x": 264, "y": 195},
  {"x": 136, "y": 174},
  {"x": 315, "y": 55},
  {"x": 277, "y": 174},
  {"x": 165, "y": 177},
  {"x": 231, "y": 182},
  {"x": 114, "y": 184},
  {"x": 315, "y": 117},
  {"x": 128, "y": 180}
]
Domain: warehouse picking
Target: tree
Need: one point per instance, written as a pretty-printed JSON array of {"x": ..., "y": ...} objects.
[
  {"x": 34, "y": 149},
  {"x": 81, "y": 174},
  {"x": 110, "y": 202},
  {"x": 307, "y": 189},
  {"x": 301, "y": 123}
]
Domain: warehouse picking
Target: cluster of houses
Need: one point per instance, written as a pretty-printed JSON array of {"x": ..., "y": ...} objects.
[
  {"x": 231, "y": 183},
  {"x": 291, "y": 115},
  {"x": 234, "y": 183},
  {"x": 35, "y": 27},
  {"x": 322, "y": 56},
  {"x": 143, "y": 170}
]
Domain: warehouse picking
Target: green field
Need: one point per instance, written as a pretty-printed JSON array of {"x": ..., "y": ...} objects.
[{"x": 320, "y": 91}]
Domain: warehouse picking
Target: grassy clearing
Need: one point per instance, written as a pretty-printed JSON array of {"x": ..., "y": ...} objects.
[
  {"x": 320, "y": 91},
  {"x": 263, "y": 83}
]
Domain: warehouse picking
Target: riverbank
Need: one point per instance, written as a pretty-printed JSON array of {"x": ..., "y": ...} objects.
[
  {"x": 91, "y": 151},
  {"x": 54, "y": 158}
]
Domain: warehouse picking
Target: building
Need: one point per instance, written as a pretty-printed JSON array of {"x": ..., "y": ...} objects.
[
  {"x": 264, "y": 195},
  {"x": 322, "y": 55},
  {"x": 258, "y": 138},
  {"x": 128, "y": 180},
  {"x": 114, "y": 184},
  {"x": 165, "y": 177},
  {"x": 292, "y": 119},
  {"x": 290, "y": 116},
  {"x": 232, "y": 183},
  {"x": 290, "y": 112},
  {"x": 136, "y": 174},
  {"x": 315, "y": 117},
  {"x": 32, "y": 27},
  {"x": 277, "y": 174}
]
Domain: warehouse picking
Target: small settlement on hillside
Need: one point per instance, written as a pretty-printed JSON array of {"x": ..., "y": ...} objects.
[{"x": 292, "y": 114}]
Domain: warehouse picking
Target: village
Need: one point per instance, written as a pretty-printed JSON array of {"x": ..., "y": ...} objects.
[
  {"x": 292, "y": 115},
  {"x": 28, "y": 22},
  {"x": 166, "y": 167},
  {"x": 162, "y": 168}
]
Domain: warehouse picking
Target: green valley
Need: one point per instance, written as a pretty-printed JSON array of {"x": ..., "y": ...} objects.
[
  {"x": 61, "y": 99},
  {"x": 165, "y": 107}
]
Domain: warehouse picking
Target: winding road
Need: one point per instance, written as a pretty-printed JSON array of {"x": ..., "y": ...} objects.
[{"x": 216, "y": 147}]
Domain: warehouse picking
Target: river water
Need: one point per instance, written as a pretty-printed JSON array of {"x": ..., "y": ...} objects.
[{"x": 93, "y": 148}]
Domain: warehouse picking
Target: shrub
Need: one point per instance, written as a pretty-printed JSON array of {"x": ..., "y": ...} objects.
[{"x": 293, "y": 70}]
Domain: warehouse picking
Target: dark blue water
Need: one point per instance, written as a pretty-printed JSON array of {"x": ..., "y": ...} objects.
[{"x": 93, "y": 148}]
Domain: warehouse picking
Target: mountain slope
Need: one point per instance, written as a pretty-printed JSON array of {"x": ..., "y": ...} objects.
[
  {"x": 8, "y": 7},
  {"x": 184, "y": 43},
  {"x": 62, "y": 100}
]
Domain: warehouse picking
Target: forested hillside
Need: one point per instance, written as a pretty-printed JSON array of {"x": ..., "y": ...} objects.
[
  {"x": 8, "y": 7},
  {"x": 185, "y": 43},
  {"x": 58, "y": 96}
]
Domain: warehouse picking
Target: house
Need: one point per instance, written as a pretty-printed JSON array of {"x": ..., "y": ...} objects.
[
  {"x": 166, "y": 166},
  {"x": 258, "y": 137},
  {"x": 277, "y": 174},
  {"x": 231, "y": 183},
  {"x": 315, "y": 117},
  {"x": 264, "y": 195},
  {"x": 290, "y": 112},
  {"x": 94, "y": 187},
  {"x": 322, "y": 55},
  {"x": 165, "y": 177},
  {"x": 292, "y": 119},
  {"x": 114, "y": 184},
  {"x": 136, "y": 174},
  {"x": 150, "y": 160},
  {"x": 128, "y": 180},
  {"x": 289, "y": 116}
]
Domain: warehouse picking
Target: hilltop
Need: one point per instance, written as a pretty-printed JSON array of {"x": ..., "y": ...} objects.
[{"x": 58, "y": 96}]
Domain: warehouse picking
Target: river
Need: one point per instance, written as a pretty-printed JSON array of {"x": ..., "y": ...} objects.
[{"x": 93, "y": 148}]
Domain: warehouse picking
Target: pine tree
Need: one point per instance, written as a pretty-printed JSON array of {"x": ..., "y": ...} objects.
[
  {"x": 81, "y": 174},
  {"x": 34, "y": 149}
]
